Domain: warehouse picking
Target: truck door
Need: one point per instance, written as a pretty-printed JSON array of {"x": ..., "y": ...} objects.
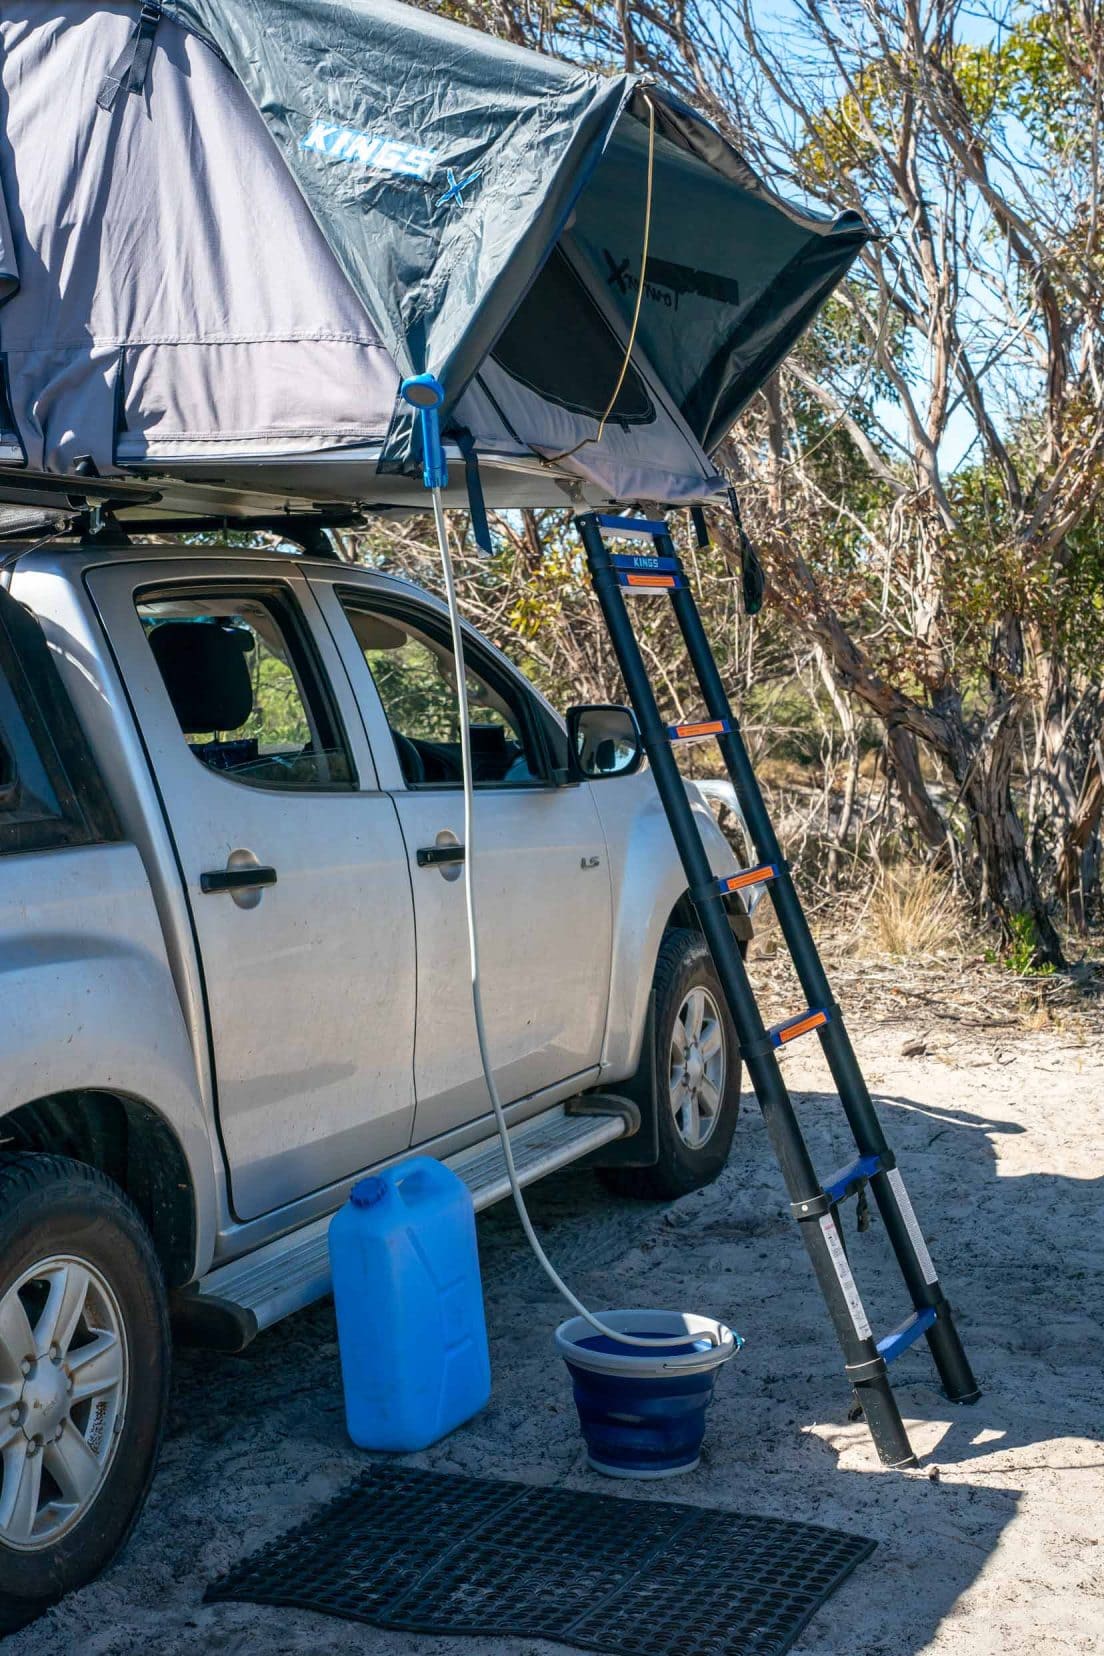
[
  {"x": 294, "y": 866},
  {"x": 542, "y": 881}
]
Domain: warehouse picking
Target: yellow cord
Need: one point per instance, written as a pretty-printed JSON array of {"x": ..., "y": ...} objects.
[{"x": 597, "y": 438}]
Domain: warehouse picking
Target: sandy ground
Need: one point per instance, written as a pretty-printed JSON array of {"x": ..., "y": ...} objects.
[{"x": 995, "y": 1545}]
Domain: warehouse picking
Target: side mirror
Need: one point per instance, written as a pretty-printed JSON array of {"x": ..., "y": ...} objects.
[{"x": 604, "y": 741}]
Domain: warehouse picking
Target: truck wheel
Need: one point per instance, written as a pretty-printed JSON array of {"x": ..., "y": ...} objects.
[
  {"x": 697, "y": 1075},
  {"x": 84, "y": 1375}
]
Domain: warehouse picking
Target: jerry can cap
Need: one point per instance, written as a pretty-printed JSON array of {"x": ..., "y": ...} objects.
[{"x": 367, "y": 1192}]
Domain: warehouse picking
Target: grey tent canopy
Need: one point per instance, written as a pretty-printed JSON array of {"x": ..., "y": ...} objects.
[{"x": 229, "y": 228}]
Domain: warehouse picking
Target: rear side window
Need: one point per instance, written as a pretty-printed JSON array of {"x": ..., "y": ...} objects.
[
  {"x": 51, "y": 792},
  {"x": 251, "y": 701}
]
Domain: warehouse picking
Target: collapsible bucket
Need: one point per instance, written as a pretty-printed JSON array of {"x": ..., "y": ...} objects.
[{"x": 642, "y": 1409}]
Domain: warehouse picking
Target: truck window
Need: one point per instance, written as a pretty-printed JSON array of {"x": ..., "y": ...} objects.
[
  {"x": 414, "y": 672},
  {"x": 51, "y": 793},
  {"x": 251, "y": 701}
]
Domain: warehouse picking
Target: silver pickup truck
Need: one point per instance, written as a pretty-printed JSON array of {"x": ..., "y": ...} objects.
[{"x": 233, "y": 975}]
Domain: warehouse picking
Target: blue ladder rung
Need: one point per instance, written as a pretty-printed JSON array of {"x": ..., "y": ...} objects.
[
  {"x": 631, "y": 526},
  {"x": 699, "y": 730},
  {"x": 841, "y": 1184},
  {"x": 759, "y": 875},
  {"x": 790, "y": 1028},
  {"x": 642, "y": 580},
  {"x": 891, "y": 1345}
]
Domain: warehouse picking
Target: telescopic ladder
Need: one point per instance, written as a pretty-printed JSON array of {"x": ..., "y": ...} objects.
[{"x": 657, "y": 569}]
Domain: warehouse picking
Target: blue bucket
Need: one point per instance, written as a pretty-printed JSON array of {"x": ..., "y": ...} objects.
[{"x": 642, "y": 1410}]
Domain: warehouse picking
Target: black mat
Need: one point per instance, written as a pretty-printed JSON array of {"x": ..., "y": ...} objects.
[{"x": 431, "y": 1553}]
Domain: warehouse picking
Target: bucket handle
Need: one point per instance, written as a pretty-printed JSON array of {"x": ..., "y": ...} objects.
[{"x": 714, "y": 1339}]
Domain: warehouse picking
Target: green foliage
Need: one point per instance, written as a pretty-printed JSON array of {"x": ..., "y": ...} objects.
[
  {"x": 1020, "y": 954},
  {"x": 278, "y": 719},
  {"x": 1022, "y": 78},
  {"x": 1025, "y": 77}
]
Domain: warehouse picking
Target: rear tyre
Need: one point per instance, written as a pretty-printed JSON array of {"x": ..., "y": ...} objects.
[
  {"x": 84, "y": 1375},
  {"x": 697, "y": 1075}
]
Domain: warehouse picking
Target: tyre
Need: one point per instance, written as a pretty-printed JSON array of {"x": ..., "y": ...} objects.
[
  {"x": 84, "y": 1374},
  {"x": 697, "y": 1074}
]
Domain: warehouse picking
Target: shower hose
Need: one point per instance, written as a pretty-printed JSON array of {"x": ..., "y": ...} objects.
[{"x": 648, "y": 1341}]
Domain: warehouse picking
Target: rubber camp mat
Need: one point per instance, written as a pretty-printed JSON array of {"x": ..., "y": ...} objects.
[{"x": 431, "y": 1553}]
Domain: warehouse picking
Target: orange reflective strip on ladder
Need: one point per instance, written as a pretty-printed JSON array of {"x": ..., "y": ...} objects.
[
  {"x": 794, "y": 1030},
  {"x": 748, "y": 877},
  {"x": 800, "y": 1025},
  {"x": 711, "y": 727}
]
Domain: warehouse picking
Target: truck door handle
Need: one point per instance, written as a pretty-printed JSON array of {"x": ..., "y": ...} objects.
[
  {"x": 432, "y": 856},
  {"x": 248, "y": 877}
]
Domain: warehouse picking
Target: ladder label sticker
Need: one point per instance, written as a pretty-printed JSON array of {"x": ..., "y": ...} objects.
[
  {"x": 846, "y": 1280},
  {"x": 916, "y": 1235}
]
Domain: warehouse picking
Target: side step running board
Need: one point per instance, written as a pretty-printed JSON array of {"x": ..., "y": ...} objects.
[{"x": 234, "y": 1302}]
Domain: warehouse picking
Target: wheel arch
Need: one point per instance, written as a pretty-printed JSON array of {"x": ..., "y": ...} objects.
[
  {"x": 623, "y": 1058},
  {"x": 650, "y": 895},
  {"x": 130, "y": 1141}
]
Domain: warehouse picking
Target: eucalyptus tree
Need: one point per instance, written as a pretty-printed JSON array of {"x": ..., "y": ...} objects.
[{"x": 925, "y": 474}]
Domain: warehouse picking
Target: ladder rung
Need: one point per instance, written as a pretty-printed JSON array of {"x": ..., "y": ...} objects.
[
  {"x": 699, "y": 732},
  {"x": 747, "y": 877},
  {"x": 640, "y": 572},
  {"x": 841, "y": 1184},
  {"x": 637, "y": 580},
  {"x": 891, "y": 1345},
  {"x": 631, "y": 526},
  {"x": 791, "y": 1028}
]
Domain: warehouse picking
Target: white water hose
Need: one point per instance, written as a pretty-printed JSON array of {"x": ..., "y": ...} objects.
[{"x": 425, "y": 394}]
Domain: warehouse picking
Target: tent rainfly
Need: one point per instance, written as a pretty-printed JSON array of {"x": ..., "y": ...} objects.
[{"x": 229, "y": 228}]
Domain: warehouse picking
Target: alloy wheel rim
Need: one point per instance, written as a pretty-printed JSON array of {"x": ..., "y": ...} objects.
[
  {"x": 64, "y": 1375},
  {"x": 696, "y": 1074}
]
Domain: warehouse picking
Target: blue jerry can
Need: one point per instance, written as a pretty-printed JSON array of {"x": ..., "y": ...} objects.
[{"x": 409, "y": 1306}]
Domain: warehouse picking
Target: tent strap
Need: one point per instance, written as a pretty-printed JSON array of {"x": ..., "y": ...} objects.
[
  {"x": 752, "y": 578},
  {"x": 477, "y": 506},
  {"x": 132, "y": 65}
]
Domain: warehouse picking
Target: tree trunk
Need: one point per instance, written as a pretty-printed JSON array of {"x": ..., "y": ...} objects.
[
  {"x": 1077, "y": 871},
  {"x": 904, "y": 764},
  {"x": 837, "y": 835},
  {"x": 981, "y": 765},
  {"x": 1010, "y": 887},
  {"x": 1071, "y": 783}
]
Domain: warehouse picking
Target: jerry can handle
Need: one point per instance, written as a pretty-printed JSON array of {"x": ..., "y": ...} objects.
[{"x": 419, "y": 1177}]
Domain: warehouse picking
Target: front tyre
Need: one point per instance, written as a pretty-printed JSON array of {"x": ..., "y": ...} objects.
[
  {"x": 84, "y": 1373},
  {"x": 697, "y": 1074}
]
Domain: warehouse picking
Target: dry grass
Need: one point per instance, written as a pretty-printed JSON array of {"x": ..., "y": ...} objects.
[{"x": 914, "y": 911}]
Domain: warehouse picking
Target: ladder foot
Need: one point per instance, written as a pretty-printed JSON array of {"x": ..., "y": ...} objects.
[
  {"x": 879, "y": 1407},
  {"x": 965, "y": 1399},
  {"x": 950, "y": 1359}
]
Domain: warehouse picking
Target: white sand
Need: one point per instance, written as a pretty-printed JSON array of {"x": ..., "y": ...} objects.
[{"x": 995, "y": 1545}]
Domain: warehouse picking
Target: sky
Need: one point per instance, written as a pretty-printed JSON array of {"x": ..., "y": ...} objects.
[{"x": 977, "y": 28}]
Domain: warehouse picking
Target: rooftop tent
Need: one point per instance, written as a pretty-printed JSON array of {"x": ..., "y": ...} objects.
[{"x": 229, "y": 228}]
